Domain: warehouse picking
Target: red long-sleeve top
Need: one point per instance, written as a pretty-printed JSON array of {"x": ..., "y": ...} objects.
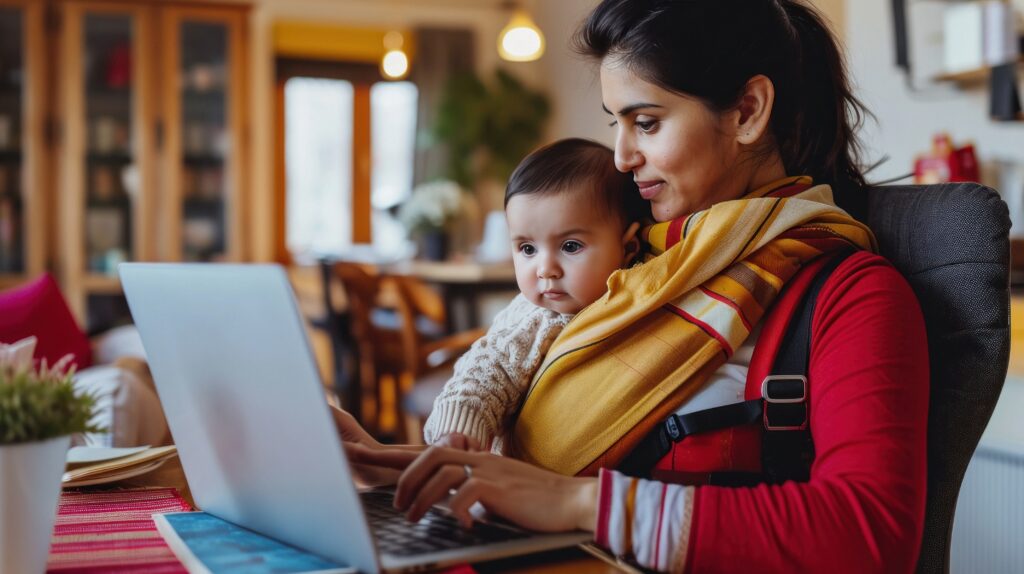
[{"x": 863, "y": 508}]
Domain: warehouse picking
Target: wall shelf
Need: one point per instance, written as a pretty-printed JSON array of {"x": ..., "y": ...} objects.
[{"x": 971, "y": 77}]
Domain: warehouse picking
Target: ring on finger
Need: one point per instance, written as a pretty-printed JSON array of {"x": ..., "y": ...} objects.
[{"x": 468, "y": 470}]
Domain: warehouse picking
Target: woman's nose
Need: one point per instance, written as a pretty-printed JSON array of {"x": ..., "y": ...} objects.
[{"x": 627, "y": 157}]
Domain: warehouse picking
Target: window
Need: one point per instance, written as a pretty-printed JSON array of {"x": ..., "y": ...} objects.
[
  {"x": 393, "y": 133},
  {"x": 320, "y": 189},
  {"x": 318, "y": 155}
]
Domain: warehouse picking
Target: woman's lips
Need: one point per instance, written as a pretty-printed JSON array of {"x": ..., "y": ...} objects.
[{"x": 649, "y": 189}]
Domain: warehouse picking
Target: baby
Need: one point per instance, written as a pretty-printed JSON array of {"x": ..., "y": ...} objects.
[{"x": 573, "y": 220}]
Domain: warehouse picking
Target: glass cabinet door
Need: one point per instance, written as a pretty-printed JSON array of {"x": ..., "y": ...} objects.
[
  {"x": 109, "y": 158},
  {"x": 12, "y": 205},
  {"x": 22, "y": 101},
  {"x": 106, "y": 146},
  {"x": 203, "y": 135}
]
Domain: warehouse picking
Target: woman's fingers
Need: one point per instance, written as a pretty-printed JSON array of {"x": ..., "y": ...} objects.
[
  {"x": 395, "y": 458},
  {"x": 459, "y": 441},
  {"x": 471, "y": 492},
  {"x": 436, "y": 489},
  {"x": 350, "y": 429},
  {"x": 420, "y": 471}
]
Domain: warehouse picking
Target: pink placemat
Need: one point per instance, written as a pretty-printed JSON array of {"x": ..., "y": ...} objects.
[{"x": 113, "y": 531}]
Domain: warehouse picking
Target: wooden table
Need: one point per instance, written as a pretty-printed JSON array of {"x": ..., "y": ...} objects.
[
  {"x": 569, "y": 560},
  {"x": 460, "y": 284}
]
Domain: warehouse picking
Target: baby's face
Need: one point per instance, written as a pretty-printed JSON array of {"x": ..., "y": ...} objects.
[{"x": 564, "y": 248}]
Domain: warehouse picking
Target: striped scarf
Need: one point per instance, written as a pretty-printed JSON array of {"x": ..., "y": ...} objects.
[{"x": 665, "y": 326}]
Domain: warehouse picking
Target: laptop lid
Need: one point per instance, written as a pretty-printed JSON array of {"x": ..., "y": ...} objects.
[{"x": 244, "y": 402}]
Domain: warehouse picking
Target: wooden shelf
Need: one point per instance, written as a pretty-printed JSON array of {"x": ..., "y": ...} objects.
[
  {"x": 98, "y": 283},
  {"x": 9, "y": 280},
  {"x": 115, "y": 158},
  {"x": 203, "y": 160},
  {"x": 970, "y": 77}
]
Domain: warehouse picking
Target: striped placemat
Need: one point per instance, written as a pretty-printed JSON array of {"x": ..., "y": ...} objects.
[{"x": 113, "y": 531}]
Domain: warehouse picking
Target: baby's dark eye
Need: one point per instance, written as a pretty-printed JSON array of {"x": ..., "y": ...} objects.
[
  {"x": 527, "y": 249},
  {"x": 572, "y": 246}
]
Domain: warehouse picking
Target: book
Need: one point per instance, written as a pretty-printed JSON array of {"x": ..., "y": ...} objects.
[
  {"x": 86, "y": 466},
  {"x": 206, "y": 544}
]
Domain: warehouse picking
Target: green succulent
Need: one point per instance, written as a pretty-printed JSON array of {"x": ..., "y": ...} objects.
[{"x": 42, "y": 404}]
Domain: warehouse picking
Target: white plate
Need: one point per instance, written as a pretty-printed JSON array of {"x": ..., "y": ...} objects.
[
  {"x": 126, "y": 473},
  {"x": 91, "y": 454}
]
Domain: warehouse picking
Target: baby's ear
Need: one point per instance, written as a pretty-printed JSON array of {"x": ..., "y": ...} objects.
[{"x": 630, "y": 244}]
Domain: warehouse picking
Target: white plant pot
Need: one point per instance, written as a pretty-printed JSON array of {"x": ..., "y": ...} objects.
[{"x": 30, "y": 477}]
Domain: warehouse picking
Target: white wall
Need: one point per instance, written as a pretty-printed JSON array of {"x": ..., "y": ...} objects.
[
  {"x": 907, "y": 120},
  {"x": 572, "y": 80}
]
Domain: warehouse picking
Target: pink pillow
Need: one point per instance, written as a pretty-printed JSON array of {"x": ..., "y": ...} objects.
[{"x": 38, "y": 308}]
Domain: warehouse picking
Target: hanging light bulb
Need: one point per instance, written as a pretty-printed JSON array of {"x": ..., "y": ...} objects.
[
  {"x": 395, "y": 63},
  {"x": 520, "y": 40}
]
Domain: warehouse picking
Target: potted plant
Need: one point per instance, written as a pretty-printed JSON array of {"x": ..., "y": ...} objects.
[
  {"x": 488, "y": 127},
  {"x": 39, "y": 410},
  {"x": 428, "y": 214}
]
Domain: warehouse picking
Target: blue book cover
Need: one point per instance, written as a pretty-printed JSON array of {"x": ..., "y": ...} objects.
[{"x": 207, "y": 544}]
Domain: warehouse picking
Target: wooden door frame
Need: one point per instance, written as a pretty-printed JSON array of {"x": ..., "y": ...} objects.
[{"x": 362, "y": 77}]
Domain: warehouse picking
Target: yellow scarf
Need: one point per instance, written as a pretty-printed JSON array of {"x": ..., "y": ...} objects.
[{"x": 632, "y": 357}]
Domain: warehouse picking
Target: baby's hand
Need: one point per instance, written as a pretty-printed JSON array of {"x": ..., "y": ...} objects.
[{"x": 459, "y": 441}]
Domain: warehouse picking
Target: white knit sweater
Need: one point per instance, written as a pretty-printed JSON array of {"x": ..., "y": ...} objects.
[{"x": 491, "y": 379}]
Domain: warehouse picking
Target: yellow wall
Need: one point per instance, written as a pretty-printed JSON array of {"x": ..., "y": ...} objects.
[{"x": 334, "y": 42}]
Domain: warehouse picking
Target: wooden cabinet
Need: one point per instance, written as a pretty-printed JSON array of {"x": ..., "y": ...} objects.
[
  {"x": 151, "y": 152},
  {"x": 204, "y": 115},
  {"x": 22, "y": 188}
]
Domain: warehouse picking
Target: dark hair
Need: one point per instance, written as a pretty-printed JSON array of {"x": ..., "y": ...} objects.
[
  {"x": 576, "y": 164},
  {"x": 709, "y": 49}
]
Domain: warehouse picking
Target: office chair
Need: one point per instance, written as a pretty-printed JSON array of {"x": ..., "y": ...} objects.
[{"x": 951, "y": 242}]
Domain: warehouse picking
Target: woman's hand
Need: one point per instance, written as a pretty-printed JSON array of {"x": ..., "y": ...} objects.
[
  {"x": 532, "y": 497},
  {"x": 351, "y": 431},
  {"x": 459, "y": 441},
  {"x": 353, "y": 435}
]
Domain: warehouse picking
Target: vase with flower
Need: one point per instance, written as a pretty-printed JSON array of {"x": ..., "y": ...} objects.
[{"x": 428, "y": 215}]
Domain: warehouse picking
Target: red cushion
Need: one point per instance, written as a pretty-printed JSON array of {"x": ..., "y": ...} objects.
[{"x": 38, "y": 308}]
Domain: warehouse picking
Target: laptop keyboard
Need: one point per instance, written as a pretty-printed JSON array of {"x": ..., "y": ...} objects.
[{"x": 435, "y": 532}]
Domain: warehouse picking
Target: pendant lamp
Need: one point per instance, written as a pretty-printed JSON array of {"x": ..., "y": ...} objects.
[
  {"x": 395, "y": 63},
  {"x": 520, "y": 40}
]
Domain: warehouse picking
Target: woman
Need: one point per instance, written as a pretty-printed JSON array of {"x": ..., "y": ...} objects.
[{"x": 715, "y": 103}]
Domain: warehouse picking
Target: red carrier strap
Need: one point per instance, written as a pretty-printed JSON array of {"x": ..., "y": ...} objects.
[{"x": 787, "y": 449}]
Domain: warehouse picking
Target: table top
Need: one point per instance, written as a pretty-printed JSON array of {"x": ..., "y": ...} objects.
[
  {"x": 455, "y": 272},
  {"x": 569, "y": 560}
]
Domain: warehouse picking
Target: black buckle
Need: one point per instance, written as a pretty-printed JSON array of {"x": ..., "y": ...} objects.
[
  {"x": 785, "y": 402},
  {"x": 669, "y": 431}
]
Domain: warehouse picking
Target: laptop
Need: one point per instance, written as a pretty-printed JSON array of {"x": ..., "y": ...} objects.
[{"x": 243, "y": 398}]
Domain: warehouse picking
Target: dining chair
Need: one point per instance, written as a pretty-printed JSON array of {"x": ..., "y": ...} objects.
[{"x": 394, "y": 347}]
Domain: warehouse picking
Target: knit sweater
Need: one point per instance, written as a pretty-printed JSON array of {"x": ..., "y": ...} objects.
[{"x": 491, "y": 379}]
